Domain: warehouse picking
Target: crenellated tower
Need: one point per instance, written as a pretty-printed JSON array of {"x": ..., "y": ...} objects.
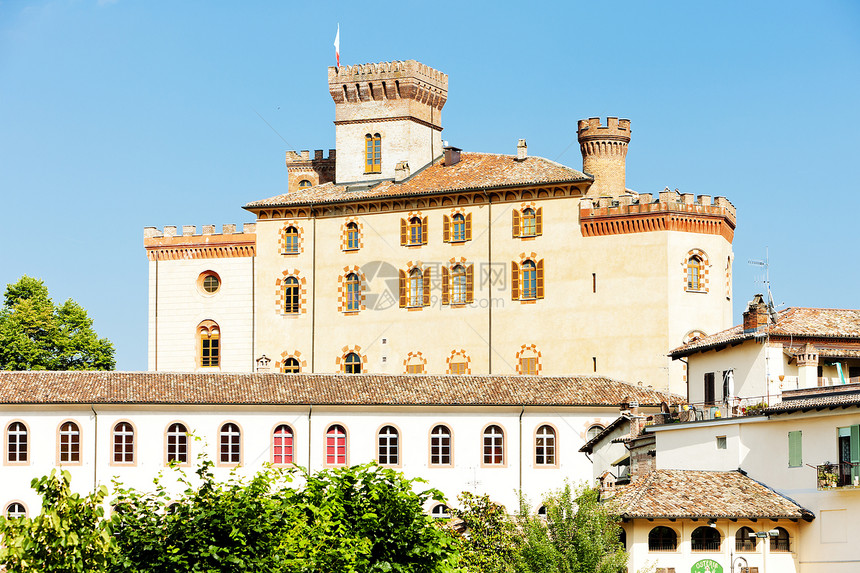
[
  {"x": 604, "y": 154},
  {"x": 386, "y": 113}
]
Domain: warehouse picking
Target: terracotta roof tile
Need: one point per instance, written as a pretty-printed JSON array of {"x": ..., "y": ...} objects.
[
  {"x": 792, "y": 322},
  {"x": 330, "y": 389},
  {"x": 703, "y": 494},
  {"x": 844, "y": 395},
  {"x": 474, "y": 171}
]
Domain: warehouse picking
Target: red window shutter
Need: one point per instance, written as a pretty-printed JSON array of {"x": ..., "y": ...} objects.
[
  {"x": 515, "y": 280},
  {"x": 446, "y": 229},
  {"x": 539, "y": 280},
  {"x": 470, "y": 283},
  {"x": 402, "y": 289},
  {"x": 445, "y": 280},
  {"x": 424, "y": 231},
  {"x": 404, "y": 231},
  {"x": 516, "y": 223},
  {"x": 427, "y": 286},
  {"x": 539, "y": 221},
  {"x": 469, "y": 227}
]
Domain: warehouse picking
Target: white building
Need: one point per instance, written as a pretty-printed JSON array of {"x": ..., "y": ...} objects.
[{"x": 485, "y": 434}]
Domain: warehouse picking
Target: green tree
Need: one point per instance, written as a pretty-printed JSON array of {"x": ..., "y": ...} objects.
[
  {"x": 36, "y": 334},
  {"x": 490, "y": 541},
  {"x": 578, "y": 535},
  {"x": 69, "y": 535}
]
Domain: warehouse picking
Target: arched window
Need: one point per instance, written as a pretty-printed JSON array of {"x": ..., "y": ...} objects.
[
  {"x": 459, "y": 222},
  {"x": 353, "y": 292},
  {"x": 622, "y": 537},
  {"x": 373, "y": 153},
  {"x": 291, "y": 366},
  {"x": 416, "y": 235},
  {"x": 16, "y": 443},
  {"x": 781, "y": 542},
  {"x": 335, "y": 445},
  {"x": 282, "y": 445},
  {"x": 291, "y": 295},
  {"x": 209, "y": 337},
  {"x": 123, "y": 443},
  {"x": 351, "y": 236},
  {"x": 494, "y": 446},
  {"x": 662, "y": 538},
  {"x": 291, "y": 240},
  {"x": 458, "y": 284},
  {"x": 388, "y": 446},
  {"x": 440, "y": 446},
  {"x": 745, "y": 539},
  {"x": 352, "y": 364},
  {"x": 305, "y": 183},
  {"x": 592, "y": 432},
  {"x": 545, "y": 446},
  {"x": 694, "y": 273},
  {"x": 458, "y": 365},
  {"x": 541, "y": 512},
  {"x": 416, "y": 288},
  {"x": 70, "y": 443},
  {"x": 528, "y": 362},
  {"x": 440, "y": 511},
  {"x": 529, "y": 286},
  {"x": 177, "y": 443},
  {"x": 231, "y": 448},
  {"x": 529, "y": 223},
  {"x": 705, "y": 538},
  {"x": 15, "y": 510}
]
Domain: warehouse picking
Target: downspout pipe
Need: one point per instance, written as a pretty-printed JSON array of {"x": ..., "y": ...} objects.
[
  {"x": 310, "y": 413},
  {"x": 522, "y": 411},
  {"x": 95, "y": 447}
]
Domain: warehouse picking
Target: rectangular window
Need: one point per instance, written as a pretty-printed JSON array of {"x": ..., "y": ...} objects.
[
  {"x": 849, "y": 455},
  {"x": 709, "y": 388},
  {"x": 528, "y": 366},
  {"x": 721, "y": 442},
  {"x": 210, "y": 352},
  {"x": 795, "y": 450},
  {"x": 458, "y": 367}
]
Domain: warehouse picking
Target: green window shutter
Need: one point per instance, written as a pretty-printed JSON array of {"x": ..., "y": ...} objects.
[
  {"x": 795, "y": 451},
  {"x": 855, "y": 452}
]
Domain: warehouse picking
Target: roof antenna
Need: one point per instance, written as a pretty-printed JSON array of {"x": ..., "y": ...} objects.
[{"x": 765, "y": 281}]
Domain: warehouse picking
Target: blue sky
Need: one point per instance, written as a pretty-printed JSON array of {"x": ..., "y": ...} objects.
[{"x": 119, "y": 115}]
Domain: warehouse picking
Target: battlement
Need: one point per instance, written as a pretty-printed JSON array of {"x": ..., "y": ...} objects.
[
  {"x": 169, "y": 231},
  {"x": 167, "y": 245},
  {"x": 614, "y": 129},
  {"x": 406, "y": 80},
  {"x": 304, "y": 156},
  {"x": 669, "y": 211}
]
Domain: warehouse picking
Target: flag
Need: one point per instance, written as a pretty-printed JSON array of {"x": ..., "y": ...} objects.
[{"x": 337, "y": 46}]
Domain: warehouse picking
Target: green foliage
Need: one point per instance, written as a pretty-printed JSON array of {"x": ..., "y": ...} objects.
[
  {"x": 35, "y": 334},
  {"x": 490, "y": 542},
  {"x": 69, "y": 535}
]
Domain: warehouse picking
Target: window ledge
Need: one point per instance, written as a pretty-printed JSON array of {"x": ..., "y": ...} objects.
[
  {"x": 696, "y": 291},
  {"x": 528, "y": 300},
  {"x": 350, "y": 312}
]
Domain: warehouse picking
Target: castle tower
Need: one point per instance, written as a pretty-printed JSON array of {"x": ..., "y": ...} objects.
[
  {"x": 386, "y": 113},
  {"x": 604, "y": 154}
]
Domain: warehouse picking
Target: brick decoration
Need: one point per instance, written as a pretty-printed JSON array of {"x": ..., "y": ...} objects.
[
  {"x": 282, "y": 239},
  {"x": 344, "y": 241},
  {"x": 540, "y": 278},
  {"x": 279, "y": 293},
  {"x": 341, "y": 360},
  {"x": 529, "y": 351},
  {"x": 341, "y": 289},
  {"x": 703, "y": 275},
  {"x": 279, "y": 364},
  {"x": 729, "y": 278},
  {"x": 414, "y": 358},
  {"x": 462, "y": 357},
  {"x": 406, "y": 231}
]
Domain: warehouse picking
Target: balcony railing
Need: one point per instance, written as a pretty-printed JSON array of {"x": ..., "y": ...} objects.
[
  {"x": 732, "y": 408},
  {"x": 836, "y": 476}
]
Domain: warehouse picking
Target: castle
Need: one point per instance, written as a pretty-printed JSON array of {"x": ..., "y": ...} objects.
[{"x": 399, "y": 253}]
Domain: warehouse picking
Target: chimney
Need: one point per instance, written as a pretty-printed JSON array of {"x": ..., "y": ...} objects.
[
  {"x": 756, "y": 316},
  {"x": 401, "y": 172},
  {"x": 522, "y": 150},
  {"x": 452, "y": 155},
  {"x": 263, "y": 363}
]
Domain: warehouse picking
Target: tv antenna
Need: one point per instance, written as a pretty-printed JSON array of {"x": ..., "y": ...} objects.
[{"x": 765, "y": 280}]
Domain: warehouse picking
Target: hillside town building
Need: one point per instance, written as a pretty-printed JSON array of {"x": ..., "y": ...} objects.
[{"x": 399, "y": 253}]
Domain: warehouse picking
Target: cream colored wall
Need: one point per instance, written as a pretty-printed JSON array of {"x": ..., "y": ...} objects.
[
  {"x": 628, "y": 324},
  {"x": 761, "y": 449},
  {"x": 402, "y": 140},
  {"x": 748, "y": 362},
  {"x": 684, "y": 558},
  {"x": 182, "y": 306}
]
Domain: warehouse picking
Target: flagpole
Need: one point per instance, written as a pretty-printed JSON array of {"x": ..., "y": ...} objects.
[{"x": 337, "y": 45}]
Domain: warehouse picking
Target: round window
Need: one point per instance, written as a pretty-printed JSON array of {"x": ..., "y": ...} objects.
[{"x": 209, "y": 282}]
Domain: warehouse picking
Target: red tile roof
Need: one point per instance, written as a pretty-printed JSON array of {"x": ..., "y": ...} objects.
[
  {"x": 474, "y": 171},
  {"x": 821, "y": 398},
  {"x": 83, "y": 387},
  {"x": 703, "y": 495},
  {"x": 791, "y": 322}
]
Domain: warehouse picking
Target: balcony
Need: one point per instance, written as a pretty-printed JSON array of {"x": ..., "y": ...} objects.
[
  {"x": 836, "y": 477},
  {"x": 702, "y": 411}
]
